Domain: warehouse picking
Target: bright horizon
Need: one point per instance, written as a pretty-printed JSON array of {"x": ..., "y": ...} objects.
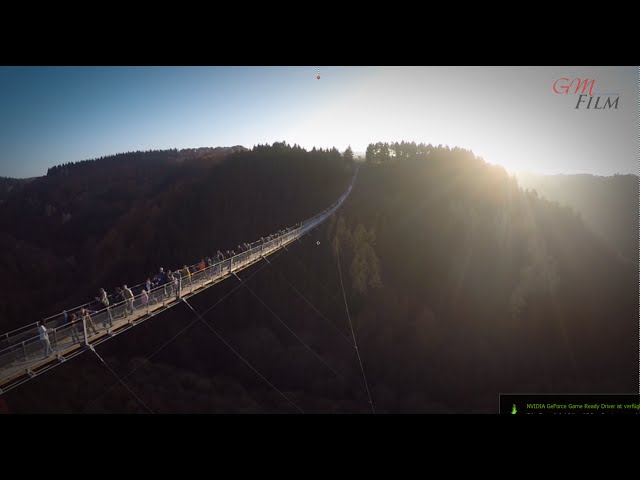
[{"x": 507, "y": 115}]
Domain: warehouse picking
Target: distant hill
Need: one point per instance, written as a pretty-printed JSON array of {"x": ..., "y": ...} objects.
[
  {"x": 9, "y": 186},
  {"x": 609, "y": 205},
  {"x": 151, "y": 158}
]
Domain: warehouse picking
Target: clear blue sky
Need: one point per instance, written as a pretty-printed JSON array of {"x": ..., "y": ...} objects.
[{"x": 509, "y": 115}]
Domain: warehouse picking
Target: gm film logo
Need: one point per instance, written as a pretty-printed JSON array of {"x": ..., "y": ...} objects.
[{"x": 587, "y": 99}]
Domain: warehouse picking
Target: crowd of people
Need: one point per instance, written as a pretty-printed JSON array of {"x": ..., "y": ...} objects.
[
  {"x": 163, "y": 284},
  {"x": 172, "y": 281}
]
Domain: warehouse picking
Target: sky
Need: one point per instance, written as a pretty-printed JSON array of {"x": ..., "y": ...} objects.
[{"x": 508, "y": 115}]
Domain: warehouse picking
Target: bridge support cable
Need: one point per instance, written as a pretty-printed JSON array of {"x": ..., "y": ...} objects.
[
  {"x": 355, "y": 343},
  {"x": 332, "y": 324},
  {"x": 313, "y": 275},
  {"x": 158, "y": 350},
  {"x": 120, "y": 380},
  {"x": 291, "y": 331},
  {"x": 141, "y": 364},
  {"x": 347, "y": 339},
  {"x": 242, "y": 358}
]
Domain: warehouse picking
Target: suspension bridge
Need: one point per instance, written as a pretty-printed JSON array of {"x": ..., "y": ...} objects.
[{"x": 28, "y": 352}]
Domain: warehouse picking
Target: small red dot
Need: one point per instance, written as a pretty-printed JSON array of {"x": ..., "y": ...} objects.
[{"x": 318, "y": 77}]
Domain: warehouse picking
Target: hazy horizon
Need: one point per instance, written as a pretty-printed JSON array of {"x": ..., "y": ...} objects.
[{"x": 507, "y": 115}]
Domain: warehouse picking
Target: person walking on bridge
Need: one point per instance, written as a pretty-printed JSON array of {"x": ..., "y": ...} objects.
[
  {"x": 177, "y": 283},
  {"x": 128, "y": 295},
  {"x": 119, "y": 299},
  {"x": 168, "y": 289},
  {"x": 186, "y": 273},
  {"x": 86, "y": 318},
  {"x": 73, "y": 321},
  {"x": 144, "y": 298},
  {"x": 44, "y": 336},
  {"x": 104, "y": 299}
]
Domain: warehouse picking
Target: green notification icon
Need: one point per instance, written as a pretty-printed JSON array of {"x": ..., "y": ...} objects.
[{"x": 514, "y": 410}]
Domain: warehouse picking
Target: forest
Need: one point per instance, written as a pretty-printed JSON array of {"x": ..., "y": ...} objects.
[
  {"x": 608, "y": 205},
  {"x": 460, "y": 284},
  {"x": 115, "y": 220}
]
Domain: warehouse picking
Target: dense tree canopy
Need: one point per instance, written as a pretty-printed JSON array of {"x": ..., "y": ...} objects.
[{"x": 460, "y": 284}]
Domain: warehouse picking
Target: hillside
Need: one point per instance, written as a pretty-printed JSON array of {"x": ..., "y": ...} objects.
[
  {"x": 487, "y": 287},
  {"x": 608, "y": 205},
  {"x": 460, "y": 285},
  {"x": 115, "y": 220}
]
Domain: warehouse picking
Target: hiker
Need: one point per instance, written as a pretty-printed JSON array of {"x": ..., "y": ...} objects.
[
  {"x": 104, "y": 300},
  {"x": 144, "y": 298},
  {"x": 168, "y": 288},
  {"x": 118, "y": 298},
  {"x": 186, "y": 274},
  {"x": 160, "y": 278},
  {"x": 87, "y": 320},
  {"x": 128, "y": 295},
  {"x": 177, "y": 282},
  {"x": 73, "y": 321},
  {"x": 44, "y": 336}
]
